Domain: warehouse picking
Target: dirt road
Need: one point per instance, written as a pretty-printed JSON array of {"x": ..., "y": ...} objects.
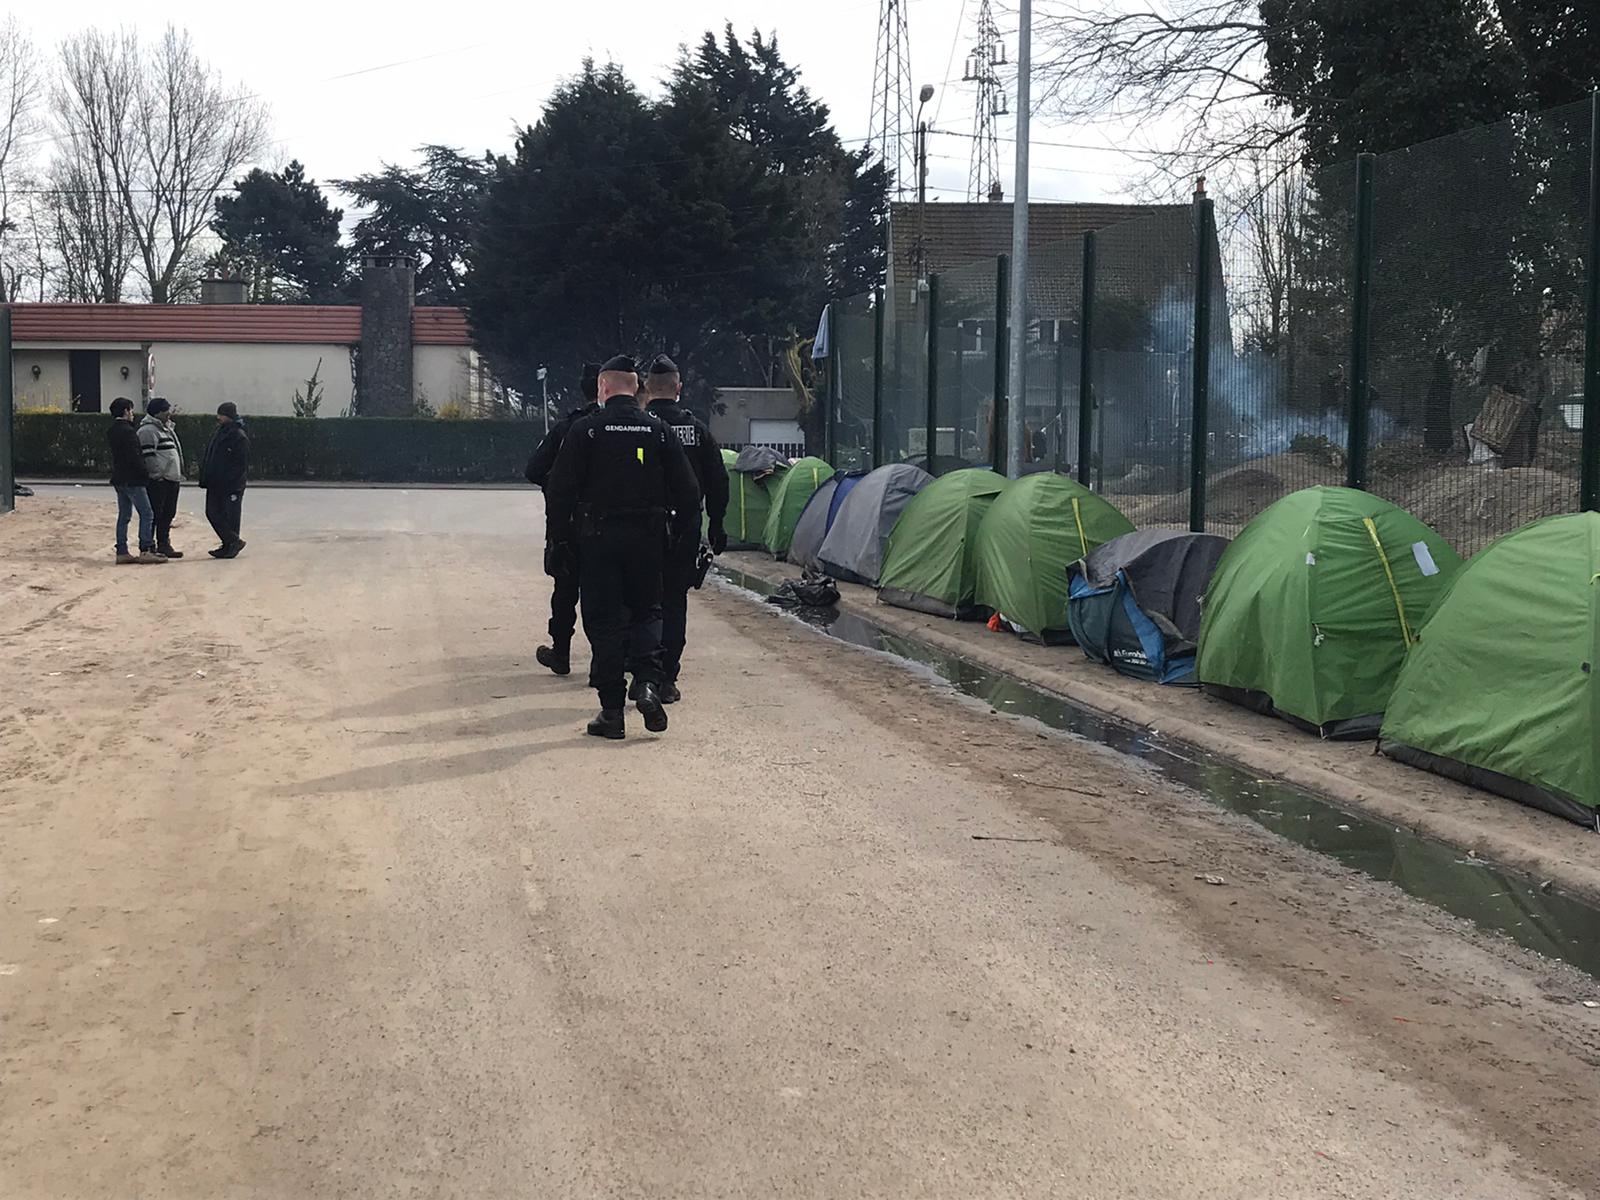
[{"x": 310, "y": 886}]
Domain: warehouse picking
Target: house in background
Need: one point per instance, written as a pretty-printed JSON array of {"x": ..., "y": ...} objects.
[
  {"x": 758, "y": 416},
  {"x": 80, "y": 357}
]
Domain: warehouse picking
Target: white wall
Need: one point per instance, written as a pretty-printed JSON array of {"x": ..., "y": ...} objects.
[
  {"x": 261, "y": 380},
  {"x": 112, "y": 384},
  {"x": 53, "y": 388},
  {"x": 444, "y": 375}
]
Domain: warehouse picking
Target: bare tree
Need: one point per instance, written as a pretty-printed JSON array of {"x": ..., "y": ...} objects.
[
  {"x": 159, "y": 135},
  {"x": 1199, "y": 65},
  {"x": 89, "y": 235},
  {"x": 93, "y": 175},
  {"x": 1258, "y": 221},
  {"x": 19, "y": 95}
]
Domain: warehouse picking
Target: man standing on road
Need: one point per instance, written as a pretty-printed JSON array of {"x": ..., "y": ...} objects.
[
  {"x": 557, "y": 656},
  {"x": 224, "y": 470},
  {"x": 664, "y": 387},
  {"x": 623, "y": 490},
  {"x": 163, "y": 458},
  {"x": 130, "y": 479}
]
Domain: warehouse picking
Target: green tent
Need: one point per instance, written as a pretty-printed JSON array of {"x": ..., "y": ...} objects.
[
  {"x": 1312, "y": 608},
  {"x": 789, "y": 496},
  {"x": 931, "y": 562},
  {"x": 748, "y": 506},
  {"x": 1033, "y": 531},
  {"x": 1500, "y": 690}
]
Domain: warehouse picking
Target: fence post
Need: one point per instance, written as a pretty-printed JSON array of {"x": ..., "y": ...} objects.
[
  {"x": 1061, "y": 392},
  {"x": 7, "y": 441},
  {"x": 1589, "y": 487},
  {"x": 1086, "y": 364},
  {"x": 835, "y": 384},
  {"x": 998, "y": 414},
  {"x": 1361, "y": 326},
  {"x": 877, "y": 379},
  {"x": 933, "y": 372},
  {"x": 1200, "y": 412}
]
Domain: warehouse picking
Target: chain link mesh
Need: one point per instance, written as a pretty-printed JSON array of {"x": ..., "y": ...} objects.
[{"x": 1475, "y": 345}]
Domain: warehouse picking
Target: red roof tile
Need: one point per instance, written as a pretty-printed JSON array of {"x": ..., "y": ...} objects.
[{"x": 241, "y": 323}]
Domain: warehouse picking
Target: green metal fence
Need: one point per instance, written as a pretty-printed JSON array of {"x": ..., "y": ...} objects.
[{"x": 1425, "y": 324}]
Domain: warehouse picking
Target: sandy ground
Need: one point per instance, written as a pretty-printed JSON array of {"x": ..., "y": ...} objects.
[{"x": 310, "y": 886}]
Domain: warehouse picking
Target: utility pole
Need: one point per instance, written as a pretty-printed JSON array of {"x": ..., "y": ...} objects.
[
  {"x": 891, "y": 122},
  {"x": 983, "y": 68},
  {"x": 1016, "y": 411}
]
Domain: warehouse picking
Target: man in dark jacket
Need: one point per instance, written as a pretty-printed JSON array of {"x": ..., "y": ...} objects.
[
  {"x": 620, "y": 482},
  {"x": 129, "y": 478},
  {"x": 224, "y": 470},
  {"x": 562, "y": 568},
  {"x": 664, "y": 387}
]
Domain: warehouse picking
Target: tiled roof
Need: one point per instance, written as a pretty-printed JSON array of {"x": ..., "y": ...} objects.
[{"x": 240, "y": 323}]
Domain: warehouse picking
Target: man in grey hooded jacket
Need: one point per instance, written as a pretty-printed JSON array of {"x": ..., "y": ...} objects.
[{"x": 163, "y": 459}]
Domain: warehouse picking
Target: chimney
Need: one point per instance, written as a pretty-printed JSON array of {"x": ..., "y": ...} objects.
[
  {"x": 221, "y": 291},
  {"x": 388, "y": 294}
]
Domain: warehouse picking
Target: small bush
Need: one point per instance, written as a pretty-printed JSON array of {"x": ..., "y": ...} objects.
[{"x": 357, "y": 450}]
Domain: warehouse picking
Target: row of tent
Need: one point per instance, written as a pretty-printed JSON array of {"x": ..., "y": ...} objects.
[{"x": 1334, "y": 609}]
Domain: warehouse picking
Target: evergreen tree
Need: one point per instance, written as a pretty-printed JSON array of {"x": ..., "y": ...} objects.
[
  {"x": 280, "y": 231},
  {"x": 428, "y": 212}
]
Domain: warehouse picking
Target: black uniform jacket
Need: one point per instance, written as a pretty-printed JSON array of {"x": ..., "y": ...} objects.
[{"x": 621, "y": 462}]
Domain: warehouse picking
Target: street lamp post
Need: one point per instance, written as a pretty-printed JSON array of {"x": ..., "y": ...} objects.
[{"x": 922, "y": 184}]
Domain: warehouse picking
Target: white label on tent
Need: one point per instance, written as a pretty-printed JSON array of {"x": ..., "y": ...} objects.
[
  {"x": 1311, "y": 560},
  {"x": 1425, "y": 563}
]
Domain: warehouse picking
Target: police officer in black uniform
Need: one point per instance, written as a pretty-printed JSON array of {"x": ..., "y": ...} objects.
[
  {"x": 622, "y": 491},
  {"x": 557, "y": 656},
  {"x": 664, "y": 387}
]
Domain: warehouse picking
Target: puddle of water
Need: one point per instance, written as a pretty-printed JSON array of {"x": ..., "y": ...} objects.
[{"x": 1549, "y": 923}]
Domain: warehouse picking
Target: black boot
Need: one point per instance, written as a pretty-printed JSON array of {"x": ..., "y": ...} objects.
[
  {"x": 557, "y": 658},
  {"x": 670, "y": 693},
  {"x": 609, "y": 724},
  {"x": 649, "y": 704},
  {"x": 166, "y": 551}
]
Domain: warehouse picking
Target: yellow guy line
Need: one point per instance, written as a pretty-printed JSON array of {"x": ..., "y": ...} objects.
[
  {"x": 1399, "y": 605},
  {"x": 1077, "y": 515}
]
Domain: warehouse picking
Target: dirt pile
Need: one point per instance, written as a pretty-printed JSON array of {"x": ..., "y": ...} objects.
[
  {"x": 1237, "y": 495},
  {"x": 1470, "y": 506}
]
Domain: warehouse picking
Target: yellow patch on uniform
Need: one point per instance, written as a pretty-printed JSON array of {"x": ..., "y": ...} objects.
[{"x": 641, "y": 455}]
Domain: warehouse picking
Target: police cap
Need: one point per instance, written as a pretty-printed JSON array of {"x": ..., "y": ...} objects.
[
  {"x": 622, "y": 362},
  {"x": 663, "y": 366}
]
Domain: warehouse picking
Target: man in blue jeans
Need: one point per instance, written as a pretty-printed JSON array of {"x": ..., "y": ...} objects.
[{"x": 130, "y": 479}]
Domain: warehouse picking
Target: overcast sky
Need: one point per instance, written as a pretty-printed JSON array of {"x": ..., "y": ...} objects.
[{"x": 471, "y": 71}]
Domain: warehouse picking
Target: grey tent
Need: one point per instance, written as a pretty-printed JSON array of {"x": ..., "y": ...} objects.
[
  {"x": 853, "y": 549},
  {"x": 1134, "y": 603},
  {"x": 817, "y": 518}
]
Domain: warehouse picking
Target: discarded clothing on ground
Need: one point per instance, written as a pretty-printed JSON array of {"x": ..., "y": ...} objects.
[{"x": 811, "y": 590}]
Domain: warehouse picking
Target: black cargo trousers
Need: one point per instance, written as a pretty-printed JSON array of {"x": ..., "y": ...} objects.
[
  {"x": 677, "y": 580},
  {"x": 620, "y": 558}
]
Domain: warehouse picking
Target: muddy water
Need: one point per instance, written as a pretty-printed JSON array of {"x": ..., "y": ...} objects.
[{"x": 1549, "y": 923}]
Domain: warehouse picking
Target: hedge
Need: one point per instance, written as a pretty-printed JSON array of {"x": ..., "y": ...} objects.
[{"x": 353, "y": 449}]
